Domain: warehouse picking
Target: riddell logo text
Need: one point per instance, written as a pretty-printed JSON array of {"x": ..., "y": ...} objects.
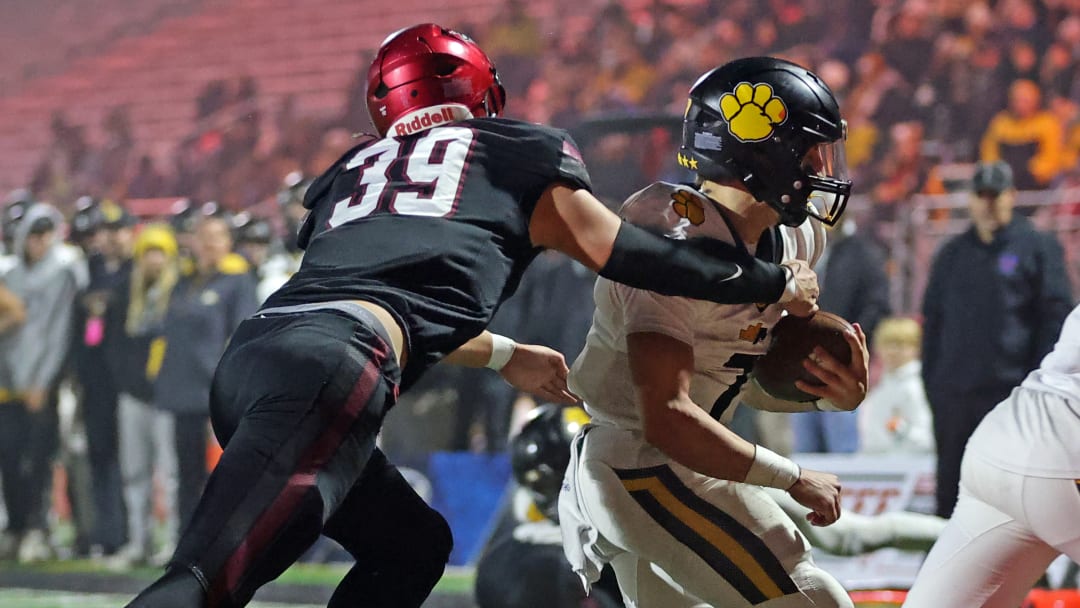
[{"x": 423, "y": 121}]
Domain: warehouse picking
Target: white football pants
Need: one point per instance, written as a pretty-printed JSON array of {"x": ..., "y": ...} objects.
[
  {"x": 1004, "y": 532},
  {"x": 678, "y": 539}
]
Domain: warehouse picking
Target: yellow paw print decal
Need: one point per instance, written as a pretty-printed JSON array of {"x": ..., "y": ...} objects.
[
  {"x": 752, "y": 112},
  {"x": 688, "y": 206}
]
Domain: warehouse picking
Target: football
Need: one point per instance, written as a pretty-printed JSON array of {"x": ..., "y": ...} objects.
[{"x": 793, "y": 338}]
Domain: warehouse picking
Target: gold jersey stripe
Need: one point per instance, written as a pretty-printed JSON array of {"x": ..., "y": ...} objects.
[{"x": 751, "y": 562}]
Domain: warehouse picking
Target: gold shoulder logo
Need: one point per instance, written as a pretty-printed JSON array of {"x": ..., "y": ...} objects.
[
  {"x": 752, "y": 111},
  {"x": 688, "y": 206}
]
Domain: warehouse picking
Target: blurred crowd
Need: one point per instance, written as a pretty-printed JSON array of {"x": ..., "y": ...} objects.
[
  {"x": 923, "y": 83},
  {"x": 131, "y": 303}
]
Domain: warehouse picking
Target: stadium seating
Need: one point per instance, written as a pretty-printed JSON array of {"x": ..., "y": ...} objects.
[
  {"x": 75, "y": 28},
  {"x": 310, "y": 50}
]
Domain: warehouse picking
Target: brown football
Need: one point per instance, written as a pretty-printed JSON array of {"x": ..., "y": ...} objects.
[{"x": 793, "y": 338}]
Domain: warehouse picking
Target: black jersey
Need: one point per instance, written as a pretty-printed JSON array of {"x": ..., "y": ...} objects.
[{"x": 433, "y": 226}]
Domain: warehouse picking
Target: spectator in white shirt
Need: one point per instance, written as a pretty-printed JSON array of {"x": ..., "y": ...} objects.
[{"x": 895, "y": 417}]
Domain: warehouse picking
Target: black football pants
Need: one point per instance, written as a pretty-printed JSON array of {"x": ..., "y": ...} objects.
[
  {"x": 517, "y": 574},
  {"x": 956, "y": 416},
  {"x": 297, "y": 401}
]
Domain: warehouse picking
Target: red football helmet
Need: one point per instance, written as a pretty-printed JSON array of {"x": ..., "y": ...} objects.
[{"x": 427, "y": 65}]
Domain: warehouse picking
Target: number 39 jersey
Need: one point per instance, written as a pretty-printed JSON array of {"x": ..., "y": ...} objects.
[
  {"x": 433, "y": 227},
  {"x": 726, "y": 339}
]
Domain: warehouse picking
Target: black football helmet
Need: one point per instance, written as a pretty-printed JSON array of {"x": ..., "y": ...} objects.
[
  {"x": 15, "y": 206},
  {"x": 115, "y": 216},
  {"x": 775, "y": 127},
  {"x": 293, "y": 188},
  {"x": 182, "y": 216},
  {"x": 87, "y": 219},
  {"x": 252, "y": 229},
  {"x": 540, "y": 453}
]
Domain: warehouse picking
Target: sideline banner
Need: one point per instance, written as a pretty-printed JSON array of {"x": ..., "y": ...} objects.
[{"x": 875, "y": 484}]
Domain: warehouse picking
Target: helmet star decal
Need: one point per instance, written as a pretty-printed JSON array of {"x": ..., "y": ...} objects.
[
  {"x": 752, "y": 111},
  {"x": 688, "y": 162},
  {"x": 688, "y": 206}
]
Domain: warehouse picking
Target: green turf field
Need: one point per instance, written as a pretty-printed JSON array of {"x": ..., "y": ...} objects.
[
  {"x": 68, "y": 584},
  {"x": 30, "y": 598}
]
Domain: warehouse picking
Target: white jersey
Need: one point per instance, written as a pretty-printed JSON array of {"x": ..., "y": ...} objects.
[
  {"x": 1036, "y": 431},
  {"x": 1059, "y": 371},
  {"x": 726, "y": 339}
]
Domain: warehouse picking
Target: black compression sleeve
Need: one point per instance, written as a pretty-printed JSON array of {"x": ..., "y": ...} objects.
[{"x": 701, "y": 268}]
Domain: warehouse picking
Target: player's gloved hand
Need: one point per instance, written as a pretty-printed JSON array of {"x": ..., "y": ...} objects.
[
  {"x": 845, "y": 385},
  {"x": 819, "y": 492},
  {"x": 801, "y": 292},
  {"x": 540, "y": 371}
]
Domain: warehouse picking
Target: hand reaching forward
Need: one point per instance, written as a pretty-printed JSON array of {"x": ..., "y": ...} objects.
[
  {"x": 540, "y": 371},
  {"x": 819, "y": 492}
]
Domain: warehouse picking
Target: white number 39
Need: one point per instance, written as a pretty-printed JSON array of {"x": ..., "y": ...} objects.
[{"x": 430, "y": 176}]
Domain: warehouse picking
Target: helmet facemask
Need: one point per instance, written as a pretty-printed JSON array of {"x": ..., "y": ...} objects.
[{"x": 828, "y": 185}]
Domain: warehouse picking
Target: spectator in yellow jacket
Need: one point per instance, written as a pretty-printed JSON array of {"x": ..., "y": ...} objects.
[{"x": 1026, "y": 136}]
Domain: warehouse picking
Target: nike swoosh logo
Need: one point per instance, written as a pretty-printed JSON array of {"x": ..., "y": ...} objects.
[{"x": 738, "y": 273}]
